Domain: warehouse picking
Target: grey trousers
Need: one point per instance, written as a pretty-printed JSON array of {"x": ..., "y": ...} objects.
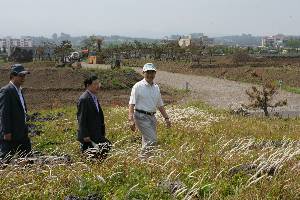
[{"x": 147, "y": 126}]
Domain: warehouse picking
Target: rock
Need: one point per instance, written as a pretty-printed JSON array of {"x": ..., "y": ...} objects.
[
  {"x": 40, "y": 160},
  {"x": 71, "y": 197},
  {"x": 172, "y": 186},
  {"x": 244, "y": 168},
  {"x": 240, "y": 111},
  {"x": 273, "y": 143},
  {"x": 90, "y": 197},
  {"x": 36, "y": 117},
  {"x": 252, "y": 169},
  {"x": 34, "y": 130}
]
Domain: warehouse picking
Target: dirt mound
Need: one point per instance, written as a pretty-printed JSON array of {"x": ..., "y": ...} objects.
[{"x": 69, "y": 79}]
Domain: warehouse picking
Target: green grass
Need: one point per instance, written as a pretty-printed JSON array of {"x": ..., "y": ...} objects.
[
  {"x": 198, "y": 151},
  {"x": 287, "y": 88},
  {"x": 2, "y": 61},
  {"x": 295, "y": 90},
  {"x": 123, "y": 78}
]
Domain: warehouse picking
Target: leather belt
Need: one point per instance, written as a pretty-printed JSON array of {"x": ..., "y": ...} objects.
[{"x": 145, "y": 112}]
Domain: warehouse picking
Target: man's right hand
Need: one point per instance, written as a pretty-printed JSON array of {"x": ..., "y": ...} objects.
[
  {"x": 7, "y": 137},
  {"x": 87, "y": 139}
]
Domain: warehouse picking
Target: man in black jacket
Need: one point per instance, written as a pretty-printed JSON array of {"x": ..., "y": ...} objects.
[
  {"x": 13, "y": 129},
  {"x": 90, "y": 118}
]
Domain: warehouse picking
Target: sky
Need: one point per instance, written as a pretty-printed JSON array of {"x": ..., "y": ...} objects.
[{"x": 149, "y": 18}]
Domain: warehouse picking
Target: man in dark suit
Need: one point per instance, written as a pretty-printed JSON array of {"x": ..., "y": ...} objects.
[
  {"x": 91, "y": 119},
  {"x": 13, "y": 129}
]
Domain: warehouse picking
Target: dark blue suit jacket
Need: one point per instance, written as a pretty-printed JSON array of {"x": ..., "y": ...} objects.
[
  {"x": 90, "y": 121},
  {"x": 12, "y": 116}
]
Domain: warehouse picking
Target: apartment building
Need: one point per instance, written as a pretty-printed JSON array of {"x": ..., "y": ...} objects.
[{"x": 11, "y": 42}]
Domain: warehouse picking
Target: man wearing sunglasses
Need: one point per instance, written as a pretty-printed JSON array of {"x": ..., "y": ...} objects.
[{"x": 13, "y": 129}]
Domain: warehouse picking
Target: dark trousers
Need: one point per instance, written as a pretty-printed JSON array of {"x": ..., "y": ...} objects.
[
  {"x": 104, "y": 146},
  {"x": 86, "y": 145},
  {"x": 10, "y": 148}
]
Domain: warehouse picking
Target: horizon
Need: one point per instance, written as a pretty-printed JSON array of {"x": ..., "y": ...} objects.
[
  {"x": 136, "y": 36},
  {"x": 155, "y": 19}
]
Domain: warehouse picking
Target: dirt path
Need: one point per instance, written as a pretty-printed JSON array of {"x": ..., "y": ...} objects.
[{"x": 222, "y": 93}]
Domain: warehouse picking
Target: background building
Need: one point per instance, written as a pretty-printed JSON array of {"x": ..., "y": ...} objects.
[
  {"x": 274, "y": 41},
  {"x": 195, "y": 40},
  {"x": 8, "y": 43}
]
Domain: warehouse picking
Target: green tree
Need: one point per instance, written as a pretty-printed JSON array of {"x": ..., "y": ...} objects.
[
  {"x": 64, "y": 49},
  {"x": 93, "y": 43},
  {"x": 294, "y": 43},
  {"x": 262, "y": 99}
]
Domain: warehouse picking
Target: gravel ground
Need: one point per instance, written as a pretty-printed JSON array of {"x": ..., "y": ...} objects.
[
  {"x": 223, "y": 93},
  {"x": 95, "y": 66}
]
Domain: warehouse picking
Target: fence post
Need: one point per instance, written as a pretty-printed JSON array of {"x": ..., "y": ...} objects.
[
  {"x": 280, "y": 84},
  {"x": 186, "y": 86}
]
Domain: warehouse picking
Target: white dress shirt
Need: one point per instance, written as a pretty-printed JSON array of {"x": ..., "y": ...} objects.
[
  {"x": 146, "y": 97},
  {"x": 95, "y": 99},
  {"x": 20, "y": 97}
]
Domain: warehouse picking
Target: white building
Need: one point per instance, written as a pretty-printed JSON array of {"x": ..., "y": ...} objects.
[
  {"x": 189, "y": 40},
  {"x": 9, "y": 42},
  {"x": 273, "y": 41},
  {"x": 185, "y": 42}
]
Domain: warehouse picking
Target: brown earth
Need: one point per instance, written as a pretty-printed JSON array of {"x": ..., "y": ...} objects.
[{"x": 48, "y": 87}]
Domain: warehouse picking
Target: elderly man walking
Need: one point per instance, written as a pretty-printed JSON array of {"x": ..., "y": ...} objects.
[
  {"x": 91, "y": 127},
  {"x": 13, "y": 129},
  {"x": 145, "y": 99}
]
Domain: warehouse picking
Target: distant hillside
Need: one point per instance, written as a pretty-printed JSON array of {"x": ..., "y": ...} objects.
[
  {"x": 76, "y": 40},
  {"x": 241, "y": 40}
]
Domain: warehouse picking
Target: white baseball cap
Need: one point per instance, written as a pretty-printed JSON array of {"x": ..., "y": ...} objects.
[{"x": 149, "y": 67}]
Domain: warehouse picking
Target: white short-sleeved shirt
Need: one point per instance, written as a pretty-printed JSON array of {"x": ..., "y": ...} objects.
[{"x": 145, "y": 96}]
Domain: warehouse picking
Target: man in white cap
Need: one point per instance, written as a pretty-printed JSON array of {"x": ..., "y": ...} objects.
[{"x": 145, "y": 99}]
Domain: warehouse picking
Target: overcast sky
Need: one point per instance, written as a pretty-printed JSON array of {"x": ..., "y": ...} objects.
[{"x": 148, "y": 18}]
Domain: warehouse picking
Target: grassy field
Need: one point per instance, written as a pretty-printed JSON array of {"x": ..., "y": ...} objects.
[
  {"x": 292, "y": 89},
  {"x": 2, "y": 61},
  {"x": 207, "y": 154}
]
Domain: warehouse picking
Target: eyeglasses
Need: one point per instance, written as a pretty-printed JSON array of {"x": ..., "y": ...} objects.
[{"x": 21, "y": 75}]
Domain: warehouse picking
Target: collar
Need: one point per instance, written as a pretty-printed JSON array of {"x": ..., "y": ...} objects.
[
  {"x": 146, "y": 83},
  {"x": 18, "y": 89},
  {"x": 93, "y": 95}
]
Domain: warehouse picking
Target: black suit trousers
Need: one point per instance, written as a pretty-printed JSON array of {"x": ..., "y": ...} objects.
[{"x": 9, "y": 148}]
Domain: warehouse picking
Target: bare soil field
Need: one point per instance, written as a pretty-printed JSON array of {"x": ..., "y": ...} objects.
[{"x": 49, "y": 87}]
